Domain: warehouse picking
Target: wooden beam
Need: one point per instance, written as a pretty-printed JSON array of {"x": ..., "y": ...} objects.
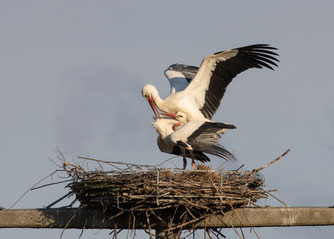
[{"x": 241, "y": 217}]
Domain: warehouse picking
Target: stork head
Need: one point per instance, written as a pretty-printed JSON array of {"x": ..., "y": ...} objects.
[
  {"x": 164, "y": 126},
  {"x": 150, "y": 92},
  {"x": 179, "y": 116}
]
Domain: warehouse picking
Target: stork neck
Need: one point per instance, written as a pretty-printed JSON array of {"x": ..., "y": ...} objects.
[{"x": 157, "y": 100}]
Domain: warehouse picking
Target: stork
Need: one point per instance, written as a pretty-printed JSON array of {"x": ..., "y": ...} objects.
[
  {"x": 192, "y": 139},
  {"x": 201, "y": 98}
]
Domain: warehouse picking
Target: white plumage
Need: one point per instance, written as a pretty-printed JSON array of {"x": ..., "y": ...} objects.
[
  {"x": 201, "y": 98},
  {"x": 194, "y": 98},
  {"x": 191, "y": 139}
]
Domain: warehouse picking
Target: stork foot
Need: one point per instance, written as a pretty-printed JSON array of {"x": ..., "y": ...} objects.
[{"x": 184, "y": 163}]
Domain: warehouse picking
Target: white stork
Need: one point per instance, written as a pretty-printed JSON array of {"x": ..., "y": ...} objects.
[
  {"x": 201, "y": 98},
  {"x": 192, "y": 139}
]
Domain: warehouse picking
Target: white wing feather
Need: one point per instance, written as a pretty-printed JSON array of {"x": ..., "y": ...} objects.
[{"x": 178, "y": 82}]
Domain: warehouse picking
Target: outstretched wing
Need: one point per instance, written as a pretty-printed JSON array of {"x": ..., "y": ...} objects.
[
  {"x": 205, "y": 139},
  {"x": 217, "y": 71},
  {"x": 179, "y": 76}
]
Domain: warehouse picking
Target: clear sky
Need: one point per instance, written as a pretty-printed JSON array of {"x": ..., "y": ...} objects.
[{"x": 71, "y": 74}]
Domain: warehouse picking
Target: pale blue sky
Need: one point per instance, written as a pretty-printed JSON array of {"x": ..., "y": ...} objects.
[{"x": 71, "y": 74}]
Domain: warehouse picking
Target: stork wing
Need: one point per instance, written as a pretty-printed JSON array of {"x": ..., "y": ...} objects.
[
  {"x": 179, "y": 76},
  {"x": 205, "y": 139},
  {"x": 197, "y": 155},
  {"x": 217, "y": 71}
]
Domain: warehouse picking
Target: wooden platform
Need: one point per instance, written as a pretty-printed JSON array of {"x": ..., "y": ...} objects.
[{"x": 242, "y": 217}]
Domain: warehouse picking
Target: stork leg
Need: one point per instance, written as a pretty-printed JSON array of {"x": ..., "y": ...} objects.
[
  {"x": 184, "y": 163},
  {"x": 192, "y": 164},
  {"x": 192, "y": 160}
]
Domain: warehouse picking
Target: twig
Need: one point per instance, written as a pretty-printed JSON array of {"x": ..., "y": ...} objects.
[
  {"x": 58, "y": 200},
  {"x": 148, "y": 224},
  {"x": 276, "y": 198},
  {"x": 274, "y": 161},
  {"x": 68, "y": 223},
  {"x": 31, "y": 188},
  {"x": 50, "y": 184}
]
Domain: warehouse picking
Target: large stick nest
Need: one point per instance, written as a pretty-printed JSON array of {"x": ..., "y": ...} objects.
[
  {"x": 157, "y": 189},
  {"x": 176, "y": 198}
]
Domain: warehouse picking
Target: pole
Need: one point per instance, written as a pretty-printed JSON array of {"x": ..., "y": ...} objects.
[{"x": 93, "y": 219}]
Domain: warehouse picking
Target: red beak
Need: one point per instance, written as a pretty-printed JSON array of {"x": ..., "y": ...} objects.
[
  {"x": 154, "y": 108},
  {"x": 174, "y": 116}
]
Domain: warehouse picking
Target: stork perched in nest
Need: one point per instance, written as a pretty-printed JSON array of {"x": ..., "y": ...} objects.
[
  {"x": 192, "y": 139},
  {"x": 201, "y": 98},
  {"x": 194, "y": 98}
]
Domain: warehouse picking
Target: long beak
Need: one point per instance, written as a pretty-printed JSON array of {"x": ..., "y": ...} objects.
[
  {"x": 174, "y": 116},
  {"x": 154, "y": 108}
]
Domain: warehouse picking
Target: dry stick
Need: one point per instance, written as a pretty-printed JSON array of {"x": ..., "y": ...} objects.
[
  {"x": 115, "y": 234},
  {"x": 180, "y": 231},
  {"x": 133, "y": 224},
  {"x": 183, "y": 214},
  {"x": 111, "y": 233},
  {"x": 190, "y": 213},
  {"x": 219, "y": 191},
  {"x": 117, "y": 215},
  {"x": 148, "y": 224},
  {"x": 208, "y": 231},
  {"x": 159, "y": 218},
  {"x": 276, "y": 198},
  {"x": 174, "y": 164},
  {"x": 54, "y": 162},
  {"x": 82, "y": 231},
  {"x": 50, "y": 184},
  {"x": 58, "y": 200},
  {"x": 33, "y": 187},
  {"x": 252, "y": 228},
  {"x": 172, "y": 219},
  {"x": 235, "y": 212},
  {"x": 127, "y": 234},
  {"x": 189, "y": 222},
  {"x": 60, "y": 155},
  {"x": 100, "y": 166},
  {"x": 221, "y": 165},
  {"x": 126, "y": 164},
  {"x": 274, "y": 161},
  {"x": 68, "y": 223},
  {"x": 242, "y": 233},
  {"x": 74, "y": 166},
  {"x": 190, "y": 232},
  {"x": 240, "y": 167},
  {"x": 218, "y": 232},
  {"x": 231, "y": 226}
]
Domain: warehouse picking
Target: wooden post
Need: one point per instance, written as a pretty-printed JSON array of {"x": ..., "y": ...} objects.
[{"x": 93, "y": 219}]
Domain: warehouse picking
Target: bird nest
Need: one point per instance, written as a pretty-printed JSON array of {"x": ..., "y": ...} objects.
[
  {"x": 161, "y": 189},
  {"x": 175, "y": 198}
]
